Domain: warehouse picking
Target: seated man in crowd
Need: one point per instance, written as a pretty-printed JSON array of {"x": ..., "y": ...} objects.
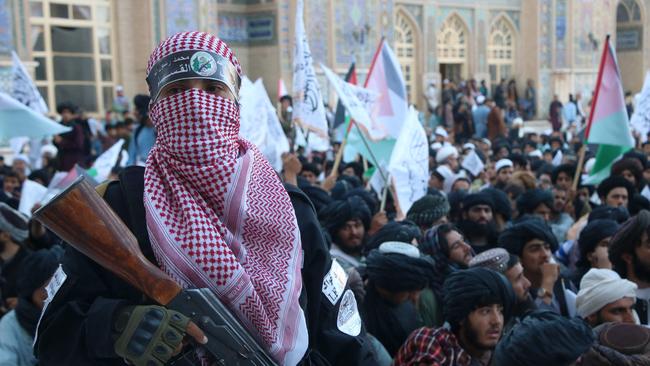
[
  {"x": 544, "y": 338},
  {"x": 477, "y": 303},
  {"x": 615, "y": 191},
  {"x": 396, "y": 275},
  {"x": 629, "y": 252},
  {"x": 450, "y": 252},
  {"x": 499, "y": 260},
  {"x": 533, "y": 241},
  {"x": 18, "y": 327},
  {"x": 478, "y": 221},
  {"x": 606, "y": 297},
  {"x": 347, "y": 222}
]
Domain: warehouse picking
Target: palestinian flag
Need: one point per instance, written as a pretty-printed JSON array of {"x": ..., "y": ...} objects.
[{"x": 608, "y": 124}]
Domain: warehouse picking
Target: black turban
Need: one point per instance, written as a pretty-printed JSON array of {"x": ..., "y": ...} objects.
[
  {"x": 475, "y": 199},
  {"x": 336, "y": 214},
  {"x": 637, "y": 203},
  {"x": 397, "y": 272},
  {"x": 368, "y": 197},
  {"x": 501, "y": 202},
  {"x": 428, "y": 210},
  {"x": 529, "y": 200},
  {"x": 615, "y": 181},
  {"x": 343, "y": 185},
  {"x": 515, "y": 237},
  {"x": 36, "y": 269},
  {"x": 618, "y": 214},
  {"x": 402, "y": 231},
  {"x": 466, "y": 290},
  {"x": 568, "y": 169},
  {"x": 594, "y": 232},
  {"x": 544, "y": 338},
  {"x": 318, "y": 196},
  {"x": 141, "y": 104}
]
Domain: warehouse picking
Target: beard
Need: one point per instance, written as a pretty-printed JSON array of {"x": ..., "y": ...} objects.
[
  {"x": 641, "y": 270},
  {"x": 472, "y": 337},
  {"x": 473, "y": 229}
]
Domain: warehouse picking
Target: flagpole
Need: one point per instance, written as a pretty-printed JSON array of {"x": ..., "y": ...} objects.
[
  {"x": 581, "y": 160},
  {"x": 598, "y": 82}
]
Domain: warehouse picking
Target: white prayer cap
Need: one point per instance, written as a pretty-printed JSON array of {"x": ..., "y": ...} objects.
[
  {"x": 518, "y": 121},
  {"x": 23, "y": 158},
  {"x": 487, "y": 142},
  {"x": 503, "y": 163},
  {"x": 446, "y": 152},
  {"x": 436, "y": 146},
  {"x": 469, "y": 146},
  {"x": 480, "y": 99},
  {"x": 590, "y": 165},
  {"x": 441, "y": 131},
  {"x": 600, "y": 287},
  {"x": 399, "y": 247},
  {"x": 119, "y": 88},
  {"x": 445, "y": 172},
  {"x": 49, "y": 149},
  {"x": 535, "y": 154}
]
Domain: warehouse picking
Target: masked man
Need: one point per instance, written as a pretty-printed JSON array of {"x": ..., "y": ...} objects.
[{"x": 209, "y": 210}]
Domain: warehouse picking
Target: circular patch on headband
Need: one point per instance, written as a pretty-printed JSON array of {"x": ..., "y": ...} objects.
[{"x": 203, "y": 63}]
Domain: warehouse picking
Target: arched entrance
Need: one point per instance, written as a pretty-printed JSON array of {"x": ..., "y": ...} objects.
[
  {"x": 452, "y": 49},
  {"x": 406, "y": 49},
  {"x": 629, "y": 43},
  {"x": 501, "y": 50}
]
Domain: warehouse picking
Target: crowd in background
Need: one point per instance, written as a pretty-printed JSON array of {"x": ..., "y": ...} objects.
[{"x": 524, "y": 263}]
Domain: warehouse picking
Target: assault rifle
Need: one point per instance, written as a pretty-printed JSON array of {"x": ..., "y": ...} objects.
[{"x": 84, "y": 220}]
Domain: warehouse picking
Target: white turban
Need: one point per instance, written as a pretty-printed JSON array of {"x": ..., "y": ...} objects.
[
  {"x": 503, "y": 163},
  {"x": 441, "y": 131},
  {"x": 445, "y": 152},
  {"x": 600, "y": 287}
]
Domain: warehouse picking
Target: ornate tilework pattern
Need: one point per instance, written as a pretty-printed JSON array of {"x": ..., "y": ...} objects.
[
  {"x": 182, "y": 16},
  {"x": 317, "y": 28},
  {"x": 6, "y": 34},
  {"x": 416, "y": 12},
  {"x": 356, "y": 24},
  {"x": 560, "y": 33},
  {"x": 545, "y": 42}
]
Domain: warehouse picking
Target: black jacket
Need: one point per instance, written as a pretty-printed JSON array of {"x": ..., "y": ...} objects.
[{"x": 77, "y": 325}]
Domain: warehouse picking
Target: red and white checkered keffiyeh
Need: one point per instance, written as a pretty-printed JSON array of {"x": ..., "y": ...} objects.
[{"x": 218, "y": 215}]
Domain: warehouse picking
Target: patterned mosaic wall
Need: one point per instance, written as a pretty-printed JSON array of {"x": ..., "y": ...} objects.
[
  {"x": 545, "y": 38},
  {"x": 356, "y": 31},
  {"x": 589, "y": 31},
  {"x": 317, "y": 28},
  {"x": 561, "y": 34},
  {"x": 6, "y": 34},
  {"x": 181, "y": 16}
]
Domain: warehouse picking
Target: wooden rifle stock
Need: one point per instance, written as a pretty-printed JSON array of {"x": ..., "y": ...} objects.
[{"x": 84, "y": 220}]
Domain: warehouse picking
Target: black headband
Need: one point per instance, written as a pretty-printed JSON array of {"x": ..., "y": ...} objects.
[{"x": 192, "y": 64}]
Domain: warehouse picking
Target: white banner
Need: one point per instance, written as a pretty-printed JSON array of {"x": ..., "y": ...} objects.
[
  {"x": 260, "y": 124},
  {"x": 640, "y": 120},
  {"x": 107, "y": 160},
  {"x": 32, "y": 124},
  {"x": 358, "y": 101},
  {"x": 23, "y": 89},
  {"x": 308, "y": 108},
  {"x": 409, "y": 162},
  {"x": 473, "y": 163},
  {"x": 30, "y": 194}
]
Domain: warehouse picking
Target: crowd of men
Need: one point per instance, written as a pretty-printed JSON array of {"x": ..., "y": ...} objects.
[{"x": 522, "y": 264}]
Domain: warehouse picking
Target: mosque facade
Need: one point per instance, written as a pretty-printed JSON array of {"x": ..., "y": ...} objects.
[{"x": 83, "y": 49}]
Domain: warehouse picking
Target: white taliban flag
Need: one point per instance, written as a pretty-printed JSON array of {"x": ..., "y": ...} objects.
[
  {"x": 473, "y": 163},
  {"x": 103, "y": 165},
  {"x": 31, "y": 193},
  {"x": 358, "y": 108},
  {"x": 260, "y": 124},
  {"x": 640, "y": 120},
  {"x": 308, "y": 108},
  {"x": 16, "y": 120},
  {"x": 409, "y": 162},
  {"x": 23, "y": 89}
]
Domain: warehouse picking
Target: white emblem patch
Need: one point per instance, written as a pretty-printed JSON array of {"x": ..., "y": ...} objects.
[
  {"x": 203, "y": 63},
  {"x": 52, "y": 288},
  {"x": 334, "y": 282},
  {"x": 349, "y": 321}
]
